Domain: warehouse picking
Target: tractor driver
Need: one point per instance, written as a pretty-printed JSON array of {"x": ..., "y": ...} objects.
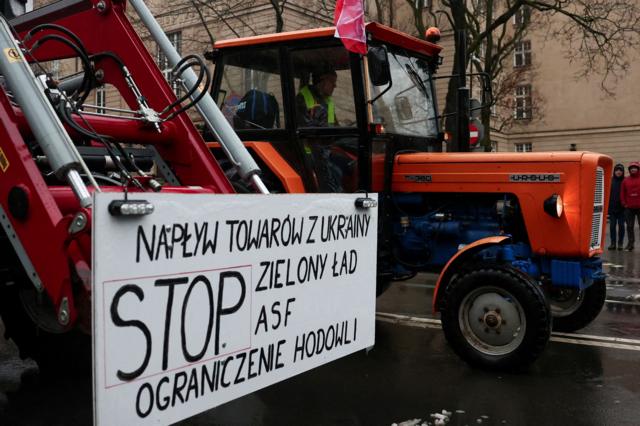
[
  {"x": 315, "y": 107},
  {"x": 314, "y": 103}
]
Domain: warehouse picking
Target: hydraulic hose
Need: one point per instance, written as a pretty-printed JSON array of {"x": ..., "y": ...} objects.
[
  {"x": 39, "y": 113},
  {"x": 213, "y": 117}
]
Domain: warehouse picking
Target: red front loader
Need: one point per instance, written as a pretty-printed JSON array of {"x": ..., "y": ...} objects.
[{"x": 56, "y": 150}]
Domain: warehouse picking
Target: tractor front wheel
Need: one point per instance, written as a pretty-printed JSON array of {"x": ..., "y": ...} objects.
[
  {"x": 573, "y": 309},
  {"x": 496, "y": 318}
]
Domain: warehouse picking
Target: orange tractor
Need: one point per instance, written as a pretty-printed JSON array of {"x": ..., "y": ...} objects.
[{"x": 516, "y": 238}]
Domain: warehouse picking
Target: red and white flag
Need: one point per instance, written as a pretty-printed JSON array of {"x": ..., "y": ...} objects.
[{"x": 349, "y": 22}]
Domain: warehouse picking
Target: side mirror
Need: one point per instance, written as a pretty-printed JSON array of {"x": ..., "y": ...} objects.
[{"x": 379, "y": 70}]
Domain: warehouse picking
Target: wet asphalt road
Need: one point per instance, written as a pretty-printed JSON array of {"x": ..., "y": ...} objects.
[{"x": 589, "y": 379}]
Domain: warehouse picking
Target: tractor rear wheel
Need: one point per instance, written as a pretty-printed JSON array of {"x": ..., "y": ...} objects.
[
  {"x": 496, "y": 318},
  {"x": 56, "y": 354},
  {"x": 573, "y": 309}
]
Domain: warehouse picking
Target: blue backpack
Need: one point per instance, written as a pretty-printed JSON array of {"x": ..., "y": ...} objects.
[{"x": 257, "y": 110}]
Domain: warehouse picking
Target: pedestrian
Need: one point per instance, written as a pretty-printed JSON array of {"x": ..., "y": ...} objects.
[
  {"x": 616, "y": 210},
  {"x": 630, "y": 197}
]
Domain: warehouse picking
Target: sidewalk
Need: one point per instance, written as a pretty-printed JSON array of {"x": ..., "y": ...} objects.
[{"x": 623, "y": 269}]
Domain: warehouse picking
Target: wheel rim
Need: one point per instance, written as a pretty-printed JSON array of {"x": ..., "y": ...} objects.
[
  {"x": 565, "y": 301},
  {"x": 492, "y": 320}
]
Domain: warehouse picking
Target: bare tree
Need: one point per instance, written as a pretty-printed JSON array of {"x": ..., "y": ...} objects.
[
  {"x": 328, "y": 7},
  {"x": 214, "y": 12},
  {"x": 199, "y": 21},
  {"x": 236, "y": 15},
  {"x": 505, "y": 111},
  {"x": 492, "y": 53},
  {"x": 425, "y": 13},
  {"x": 384, "y": 12},
  {"x": 278, "y": 9}
]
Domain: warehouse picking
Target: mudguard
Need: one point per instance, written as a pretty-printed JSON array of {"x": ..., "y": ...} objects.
[{"x": 459, "y": 258}]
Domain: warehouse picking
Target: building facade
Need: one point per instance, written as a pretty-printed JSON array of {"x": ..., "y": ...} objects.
[
  {"x": 551, "y": 108},
  {"x": 576, "y": 113},
  {"x": 548, "y": 106}
]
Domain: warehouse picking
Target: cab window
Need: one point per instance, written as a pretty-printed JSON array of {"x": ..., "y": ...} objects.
[
  {"x": 250, "y": 93},
  {"x": 407, "y": 107},
  {"x": 325, "y": 117},
  {"x": 324, "y": 92}
]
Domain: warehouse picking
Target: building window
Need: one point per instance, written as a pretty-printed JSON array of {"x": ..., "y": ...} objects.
[
  {"x": 101, "y": 100},
  {"x": 524, "y": 147},
  {"x": 163, "y": 62},
  {"x": 522, "y": 54},
  {"x": 522, "y": 17},
  {"x": 522, "y": 110}
]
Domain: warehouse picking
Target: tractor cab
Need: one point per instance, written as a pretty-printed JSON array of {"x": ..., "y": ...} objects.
[{"x": 331, "y": 115}]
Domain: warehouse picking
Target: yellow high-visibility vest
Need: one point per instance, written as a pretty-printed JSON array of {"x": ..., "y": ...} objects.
[{"x": 310, "y": 102}]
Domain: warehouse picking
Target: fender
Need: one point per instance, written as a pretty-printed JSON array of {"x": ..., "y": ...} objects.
[{"x": 459, "y": 258}]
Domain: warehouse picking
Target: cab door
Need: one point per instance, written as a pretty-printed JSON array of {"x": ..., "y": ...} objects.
[
  {"x": 329, "y": 127},
  {"x": 248, "y": 88}
]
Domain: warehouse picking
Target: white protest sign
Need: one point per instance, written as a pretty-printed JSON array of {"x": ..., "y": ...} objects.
[{"x": 212, "y": 297}]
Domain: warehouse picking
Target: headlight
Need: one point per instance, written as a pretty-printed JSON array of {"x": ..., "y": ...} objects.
[{"x": 553, "y": 206}]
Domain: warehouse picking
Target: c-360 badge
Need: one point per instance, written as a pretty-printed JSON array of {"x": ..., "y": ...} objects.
[{"x": 418, "y": 178}]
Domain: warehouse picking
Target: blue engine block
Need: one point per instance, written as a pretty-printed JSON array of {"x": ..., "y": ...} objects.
[
  {"x": 425, "y": 241},
  {"x": 430, "y": 240}
]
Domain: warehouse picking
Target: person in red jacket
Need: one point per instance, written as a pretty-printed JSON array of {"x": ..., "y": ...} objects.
[
  {"x": 617, "y": 218},
  {"x": 630, "y": 198}
]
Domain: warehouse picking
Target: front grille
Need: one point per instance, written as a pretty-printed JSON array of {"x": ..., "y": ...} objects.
[
  {"x": 598, "y": 210},
  {"x": 599, "y": 195}
]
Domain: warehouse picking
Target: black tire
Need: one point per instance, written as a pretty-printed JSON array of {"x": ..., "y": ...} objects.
[
  {"x": 584, "y": 310},
  {"x": 57, "y": 354},
  {"x": 491, "y": 295}
]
